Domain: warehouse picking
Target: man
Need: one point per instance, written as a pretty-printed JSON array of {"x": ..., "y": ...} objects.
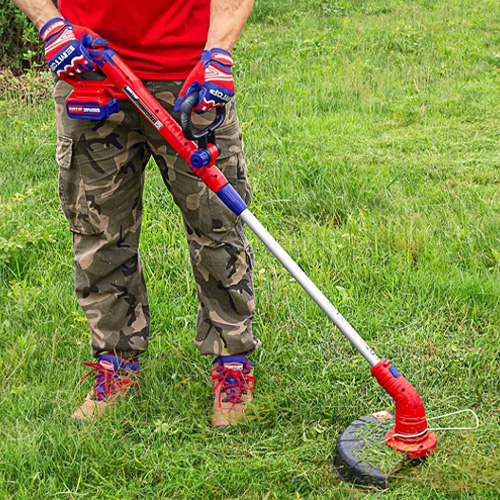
[{"x": 176, "y": 47}]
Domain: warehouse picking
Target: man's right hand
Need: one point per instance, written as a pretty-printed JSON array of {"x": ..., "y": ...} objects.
[{"x": 71, "y": 50}]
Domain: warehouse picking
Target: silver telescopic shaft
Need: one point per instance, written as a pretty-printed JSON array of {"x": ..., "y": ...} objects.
[{"x": 307, "y": 284}]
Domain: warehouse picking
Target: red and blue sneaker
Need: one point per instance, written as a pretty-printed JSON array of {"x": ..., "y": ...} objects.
[
  {"x": 232, "y": 389},
  {"x": 114, "y": 377}
]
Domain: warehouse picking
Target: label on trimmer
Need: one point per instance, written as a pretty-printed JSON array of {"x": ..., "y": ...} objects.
[
  {"x": 143, "y": 107},
  {"x": 75, "y": 109},
  {"x": 382, "y": 415}
]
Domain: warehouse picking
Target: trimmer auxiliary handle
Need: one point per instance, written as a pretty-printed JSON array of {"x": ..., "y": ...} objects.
[
  {"x": 96, "y": 100},
  {"x": 207, "y": 135},
  {"x": 208, "y": 148}
]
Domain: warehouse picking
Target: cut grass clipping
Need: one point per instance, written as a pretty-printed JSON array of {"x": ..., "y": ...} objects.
[{"x": 373, "y": 449}]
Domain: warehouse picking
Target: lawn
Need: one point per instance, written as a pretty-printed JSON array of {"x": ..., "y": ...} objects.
[{"x": 372, "y": 138}]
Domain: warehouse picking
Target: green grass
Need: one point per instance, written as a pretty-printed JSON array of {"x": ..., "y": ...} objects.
[{"x": 371, "y": 132}]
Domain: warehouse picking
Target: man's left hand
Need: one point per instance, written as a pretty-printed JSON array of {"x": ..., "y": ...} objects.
[{"x": 213, "y": 77}]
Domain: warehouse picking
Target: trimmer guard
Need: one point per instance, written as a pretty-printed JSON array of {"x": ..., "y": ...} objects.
[{"x": 356, "y": 444}]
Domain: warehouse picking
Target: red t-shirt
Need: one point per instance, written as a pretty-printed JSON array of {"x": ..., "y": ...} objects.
[{"x": 159, "y": 39}]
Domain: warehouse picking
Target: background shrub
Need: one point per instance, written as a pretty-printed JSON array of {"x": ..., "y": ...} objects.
[{"x": 20, "y": 45}]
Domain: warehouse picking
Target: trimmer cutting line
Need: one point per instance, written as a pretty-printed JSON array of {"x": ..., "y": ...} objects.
[{"x": 407, "y": 432}]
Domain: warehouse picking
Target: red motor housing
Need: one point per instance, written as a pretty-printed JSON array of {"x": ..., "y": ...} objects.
[{"x": 410, "y": 434}]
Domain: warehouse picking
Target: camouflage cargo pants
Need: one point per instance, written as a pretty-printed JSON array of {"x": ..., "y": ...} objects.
[{"x": 101, "y": 180}]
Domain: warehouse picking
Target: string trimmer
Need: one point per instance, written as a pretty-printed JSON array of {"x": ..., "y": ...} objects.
[{"x": 407, "y": 431}]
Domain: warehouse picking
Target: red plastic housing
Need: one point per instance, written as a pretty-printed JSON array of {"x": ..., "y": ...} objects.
[
  {"x": 93, "y": 100},
  {"x": 410, "y": 434},
  {"x": 210, "y": 174}
]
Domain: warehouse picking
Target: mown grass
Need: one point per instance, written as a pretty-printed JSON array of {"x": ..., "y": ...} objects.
[{"x": 372, "y": 137}]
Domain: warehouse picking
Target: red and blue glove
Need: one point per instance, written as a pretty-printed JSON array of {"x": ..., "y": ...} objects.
[
  {"x": 71, "y": 50},
  {"x": 213, "y": 77}
]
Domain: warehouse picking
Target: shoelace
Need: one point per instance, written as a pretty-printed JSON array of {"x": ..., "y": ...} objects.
[
  {"x": 233, "y": 383},
  {"x": 106, "y": 381}
]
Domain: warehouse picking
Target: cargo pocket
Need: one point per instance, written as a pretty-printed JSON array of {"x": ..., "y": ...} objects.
[
  {"x": 234, "y": 168},
  {"x": 242, "y": 184},
  {"x": 72, "y": 195}
]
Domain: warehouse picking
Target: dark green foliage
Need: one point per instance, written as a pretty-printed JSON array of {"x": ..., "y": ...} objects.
[{"x": 20, "y": 45}]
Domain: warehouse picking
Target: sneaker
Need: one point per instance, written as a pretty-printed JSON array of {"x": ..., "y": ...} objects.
[
  {"x": 232, "y": 389},
  {"x": 114, "y": 377}
]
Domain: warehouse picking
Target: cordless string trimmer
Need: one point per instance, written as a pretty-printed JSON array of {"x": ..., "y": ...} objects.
[{"x": 97, "y": 99}]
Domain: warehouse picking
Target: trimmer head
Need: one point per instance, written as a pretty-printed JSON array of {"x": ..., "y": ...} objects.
[
  {"x": 362, "y": 456},
  {"x": 373, "y": 447}
]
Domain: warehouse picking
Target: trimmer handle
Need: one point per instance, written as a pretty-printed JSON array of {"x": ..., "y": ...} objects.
[{"x": 205, "y": 135}]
